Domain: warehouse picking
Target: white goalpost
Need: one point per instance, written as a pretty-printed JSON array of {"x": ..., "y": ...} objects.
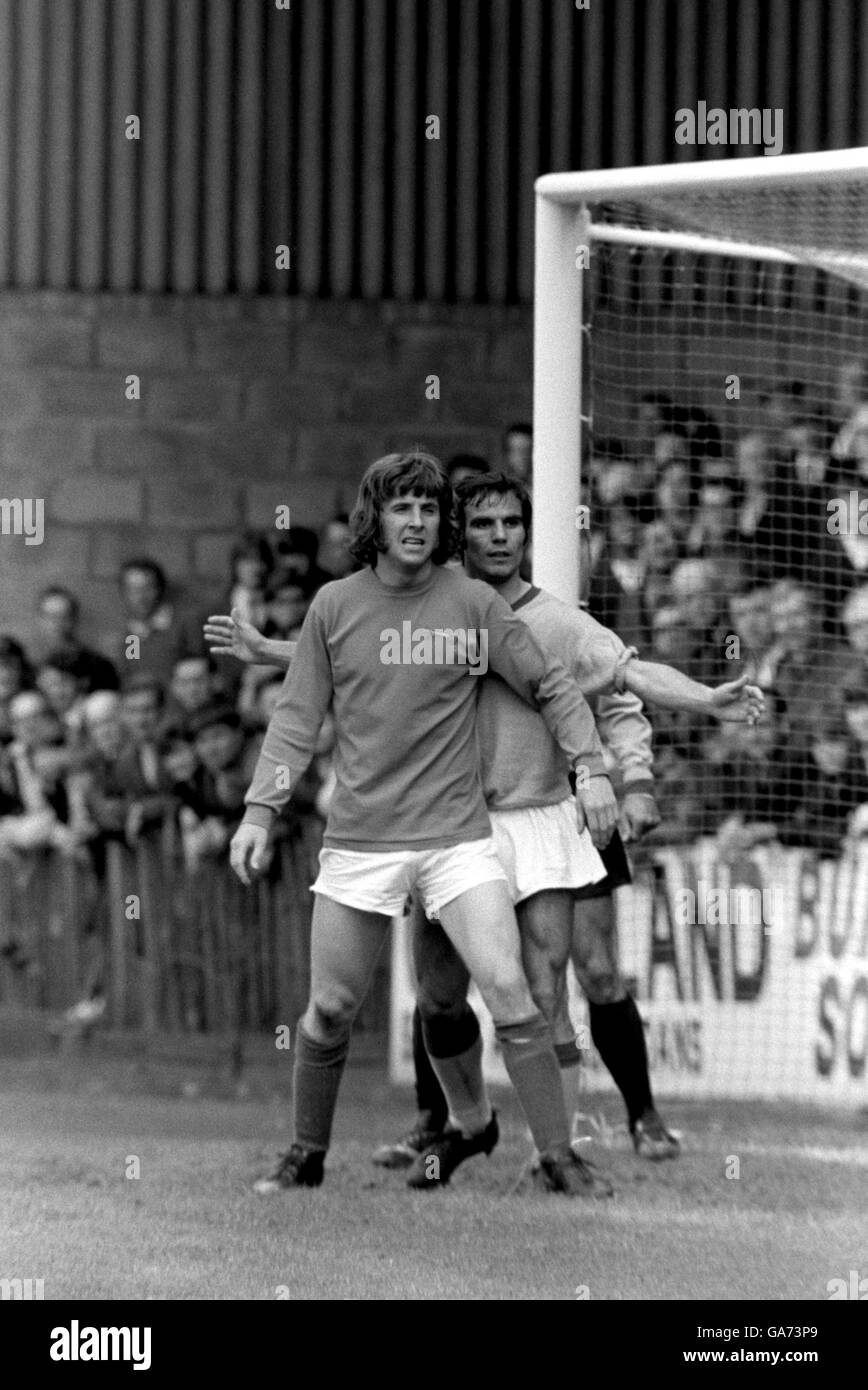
[
  {"x": 687, "y": 203},
  {"x": 731, "y": 298}
]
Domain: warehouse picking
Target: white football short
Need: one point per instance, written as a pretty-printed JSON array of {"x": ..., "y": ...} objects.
[
  {"x": 380, "y": 882},
  {"x": 541, "y": 847}
]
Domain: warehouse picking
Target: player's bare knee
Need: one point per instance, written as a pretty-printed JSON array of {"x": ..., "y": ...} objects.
[
  {"x": 332, "y": 1011},
  {"x": 437, "y": 1002},
  {"x": 507, "y": 997},
  {"x": 602, "y": 984}
]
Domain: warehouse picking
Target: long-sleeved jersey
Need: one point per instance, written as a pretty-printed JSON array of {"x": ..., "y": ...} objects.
[
  {"x": 520, "y": 762},
  {"x": 406, "y": 759}
]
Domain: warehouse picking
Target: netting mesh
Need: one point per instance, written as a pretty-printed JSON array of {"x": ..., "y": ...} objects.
[
  {"x": 726, "y": 471},
  {"x": 821, "y": 225}
]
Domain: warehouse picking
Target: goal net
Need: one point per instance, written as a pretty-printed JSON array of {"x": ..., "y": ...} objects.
[{"x": 701, "y": 404}]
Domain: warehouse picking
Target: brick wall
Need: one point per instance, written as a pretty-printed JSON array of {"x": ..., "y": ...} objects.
[{"x": 245, "y": 405}]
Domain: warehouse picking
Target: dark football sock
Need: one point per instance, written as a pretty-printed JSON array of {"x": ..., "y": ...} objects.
[
  {"x": 316, "y": 1078},
  {"x": 568, "y": 1055},
  {"x": 429, "y": 1093},
  {"x": 620, "y": 1040},
  {"x": 529, "y": 1058},
  {"x": 455, "y": 1048}
]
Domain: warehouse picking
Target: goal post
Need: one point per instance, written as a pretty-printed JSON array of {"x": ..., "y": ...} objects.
[
  {"x": 565, "y": 223},
  {"x": 557, "y": 365},
  {"x": 701, "y": 352}
]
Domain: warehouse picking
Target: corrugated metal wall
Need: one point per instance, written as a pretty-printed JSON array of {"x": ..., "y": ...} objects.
[{"x": 307, "y": 127}]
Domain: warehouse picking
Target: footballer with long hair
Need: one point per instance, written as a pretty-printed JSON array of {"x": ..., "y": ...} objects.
[
  {"x": 526, "y": 791},
  {"x": 408, "y": 814}
]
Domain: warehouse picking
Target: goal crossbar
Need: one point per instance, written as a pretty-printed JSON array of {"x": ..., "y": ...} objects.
[
  {"x": 836, "y": 166},
  {"x": 564, "y": 226}
]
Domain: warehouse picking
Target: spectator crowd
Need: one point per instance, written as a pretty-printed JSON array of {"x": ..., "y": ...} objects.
[
  {"x": 718, "y": 559},
  {"x": 747, "y": 558},
  {"x": 105, "y": 745}
]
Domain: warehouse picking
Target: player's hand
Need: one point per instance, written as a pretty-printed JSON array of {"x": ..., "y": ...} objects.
[
  {"x": 596, "y": 809},
  {"x": 232, "y": 636},
  {"x": 248, "y": 851},
  {"x": 736, "y": 702},
  {"x": 639, "y": 814}
]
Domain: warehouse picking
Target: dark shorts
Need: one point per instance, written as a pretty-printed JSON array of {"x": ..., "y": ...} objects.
[{"x": 614, "y": 857}]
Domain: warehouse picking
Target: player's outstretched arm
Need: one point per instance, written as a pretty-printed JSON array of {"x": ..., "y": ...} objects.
[
  {"x": 734, "y": 702},
  {"x": 230, "y": 635}
]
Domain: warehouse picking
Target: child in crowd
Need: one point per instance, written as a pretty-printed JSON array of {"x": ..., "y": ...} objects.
[{"x": 251, "y": 564}]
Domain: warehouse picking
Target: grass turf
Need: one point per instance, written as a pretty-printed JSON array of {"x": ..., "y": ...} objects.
[{"x": 190, "y": 1228}]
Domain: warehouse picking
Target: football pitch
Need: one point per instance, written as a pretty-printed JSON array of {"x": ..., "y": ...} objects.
[{"x": 116, "y": 1184}]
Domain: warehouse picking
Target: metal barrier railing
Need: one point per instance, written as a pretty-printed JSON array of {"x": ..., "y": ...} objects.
[{"x": 172, "y": 948}]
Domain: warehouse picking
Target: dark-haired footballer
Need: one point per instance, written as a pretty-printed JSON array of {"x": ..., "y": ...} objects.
[
  {"x": 524, "y": 778},
  {"x": 408, "y": 812}
]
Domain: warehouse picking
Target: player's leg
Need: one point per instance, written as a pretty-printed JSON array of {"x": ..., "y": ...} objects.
[
  {"x": 546, "y": 863},
  {"x": 481, "y": 924},
  {"x": 450, "y": 1028},
  {"x": 345, "y": 945},
  {"x": 442, "y": 981},
  {"x": 545, "y": 923},
  {"x": 616, "y": 1025},
  {"x": 432, "y": 1109}
]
